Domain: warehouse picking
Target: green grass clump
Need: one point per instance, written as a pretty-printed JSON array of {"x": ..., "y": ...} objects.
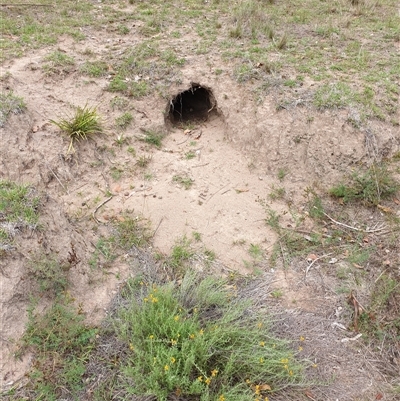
[
  {"x": 153, "y": 138},
  {"x": 59, "y": 63},
  {"x": 10, "y": 104},
  {"x": 369, "y": 187},
  {"x": 94, "y": 69},
  {"x": 61, "y": 343},
  {"x": 19, "y": 206},
  {"x": 50, "y": 273},
  {"x": 337, "y": 95},
  {"x": 83, "y": 125},
  {"x": 133, "y": 231},
  {"x": 182, "y": 252},
  {"x": 124, "y": 120},
  {"x": 183, "y": 180},
  {"x": 196, "y": 340}
]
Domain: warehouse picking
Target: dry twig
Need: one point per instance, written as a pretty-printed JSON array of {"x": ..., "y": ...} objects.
[{"x": 98, "y": 207}]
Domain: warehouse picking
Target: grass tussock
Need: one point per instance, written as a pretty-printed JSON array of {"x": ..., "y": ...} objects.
[{"x": 84, "y": 124}]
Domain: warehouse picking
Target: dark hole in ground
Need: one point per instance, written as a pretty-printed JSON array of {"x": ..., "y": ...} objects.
[{"x": 192, "y": 105}]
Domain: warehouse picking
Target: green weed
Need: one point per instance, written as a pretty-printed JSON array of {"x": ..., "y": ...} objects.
[
  {"x": 132, "y": 231},
  {"x": 183, "y": 180},
  {"x": 124, "y": 120},
  {"x": 84, "y": 124},
  {"x": 116, "y": 172},
  {"x": 182, "y": 252},
  {"x": 195, "y": 338},
  {"x": 50, "y": 273},
  {"x": 369, "y": 187},
  {"x": 337, "y": 95},
  {"x": 10, "y": 104},
  {"x": 255, "y": 251},
  {"x": 61, "y": 343},
  {"x": 277, "y": 193},
  {"x": 143, "y": 161},
  {"x": 153, "y": 138},
  {"x": 19, "y": 209},
  {"x": 94, "y": 69},
  {"x": 59, "y": 63}
]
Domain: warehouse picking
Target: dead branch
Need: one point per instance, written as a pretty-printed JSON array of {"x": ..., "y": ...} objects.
[{"x": 353, "y": 228}]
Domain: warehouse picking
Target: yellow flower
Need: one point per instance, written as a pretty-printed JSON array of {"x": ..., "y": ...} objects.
[
  {"x": 176, "y": 318},
  {"x": 192, "y": 336},
  {"x": 300, "y": 348},
  {"x": 290, "y": 372},
  {"x": 259, "y": 325},
  {"x": 145, "y": 299},
  {"x": 200, "y": 378},
  {"x": 151, "y": 336},
  {"x": 221, "y": 398},
  {"x": 207, "y": 381},
  {"x": 302, "y": 338},
  {"x": 201, "y": 332},
  {"x": 261, "y": 360},
  {"x": 284, "y": 360},
  {"x": 214, "y": 372},
  {"x": 286, "y": 367},
  {"x": 266, "y": 399},
  {"x": 154, "y": 300},
  {"x": 248, "y": 381},
  {"x": 141, "y": 283},
  {"x": 173, "y": 360},
  {"x": 257, "y": 390},
  {"x": 166, "y": 367},
  {"x": 173, "y": 342},
  {"x": 131, "y": 347},
  {"x": 262, "y": 343},
  {"x": 315, "y": 365}
]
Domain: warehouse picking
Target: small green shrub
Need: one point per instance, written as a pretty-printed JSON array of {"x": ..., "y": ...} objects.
[
  {"x": 61, "y": 344},
  {"x": 369, "y": 187},
  {"x": 124, "y": 120},
  {"x": 84, "y": 124},
  {"x": 19, "y": 205},
  {"x": 153, "y": 138},
  {"x": 133, "y": 231},
  {"x": 181, "y": 252},
  {"x": 197, "y": 340},
  {"x": 50, "y": 273}
]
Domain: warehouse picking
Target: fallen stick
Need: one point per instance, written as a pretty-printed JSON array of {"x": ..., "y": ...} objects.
[
  {"x": 321, "y": 257},
  {"x": 351, "y": 227},
  {"x": 98, "y": 207}
]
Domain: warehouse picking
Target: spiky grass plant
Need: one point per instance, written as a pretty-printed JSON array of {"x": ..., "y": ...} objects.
[{"x": 83, "y": 125}]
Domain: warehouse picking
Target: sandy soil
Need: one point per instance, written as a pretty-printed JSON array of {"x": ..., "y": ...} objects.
[{"x": 238, "y": 154}]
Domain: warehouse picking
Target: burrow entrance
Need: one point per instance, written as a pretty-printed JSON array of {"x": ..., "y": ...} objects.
[{"x": 195, "y": 104}]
